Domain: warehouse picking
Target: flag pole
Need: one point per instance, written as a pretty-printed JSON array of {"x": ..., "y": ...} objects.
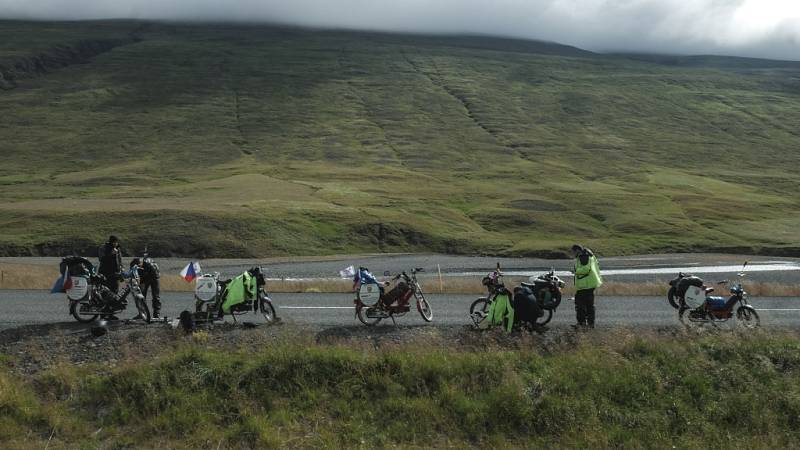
[{"x": 441, "y": 282}]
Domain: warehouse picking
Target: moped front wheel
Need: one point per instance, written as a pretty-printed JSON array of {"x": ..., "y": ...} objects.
[
  {"x": 141, "y": 306},
  {"x": 267, "y": 310},
  {"x": 479, "y": 305},
  {"x": 75, "y": 308},
  {"x": 747, "y": 316},
  {"x": 423, "y": 307},
  {"x": 361, "y": 313}
]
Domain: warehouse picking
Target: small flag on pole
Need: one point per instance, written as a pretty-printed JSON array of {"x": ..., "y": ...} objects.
[
  {"x": 63, "y": 283},
  {"x": 191, "y": 271},
  {"x": 348, "y": 272},
  {"x": 67, "y": 281}
]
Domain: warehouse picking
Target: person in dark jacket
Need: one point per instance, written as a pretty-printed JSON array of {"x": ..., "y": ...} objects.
[
  {"x": 151, "y": 281},
  {"x": 587, "y": 279},
  {"x": 110, "y": 256}
]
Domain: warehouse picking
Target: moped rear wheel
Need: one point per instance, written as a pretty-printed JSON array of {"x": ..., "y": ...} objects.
[
  {"x": 74, "y": 309},
  {"x": 672, "y": 298},
  {"x": 556, "y": 302},
  {"x": 748, "y": 317},
  {"x": 361, "y": 313},
  {"x": 423, "y": 307},
  {"x": 683, "y": 316},
  {"x": 546, "y": 318}
]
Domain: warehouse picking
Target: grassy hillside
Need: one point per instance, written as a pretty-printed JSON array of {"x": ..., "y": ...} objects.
[
  {"x": 232, "y": 141},
  {"x": 601, "y": 391}
]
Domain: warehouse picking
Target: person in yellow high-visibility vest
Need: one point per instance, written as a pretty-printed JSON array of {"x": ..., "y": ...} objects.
[{"x": 587, "y": 279}]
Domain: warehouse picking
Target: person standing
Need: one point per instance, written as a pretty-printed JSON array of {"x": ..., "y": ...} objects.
[
  {"x": 151, "y": 280},
  {"x": 110, "y": 266},
  {"x": 587, "y": 279}
]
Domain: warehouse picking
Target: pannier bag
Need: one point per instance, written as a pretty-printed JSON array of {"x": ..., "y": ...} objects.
[
  {"x": 79, "y": 289},
  {"x": 369, "y": 293},
  {"x": 396, "y": 293},
  {"x": 77, "y": 266},
  {"x": 526, "y": 308},
  {"x": 695, "y": 296},
  {"x": 687, "y": 281},
  {"x": 205, "y": 288},
  {"x": 239, "y": 290},
  {"x": 546, "y": 298},
  {"x": 501, "y": 312}
]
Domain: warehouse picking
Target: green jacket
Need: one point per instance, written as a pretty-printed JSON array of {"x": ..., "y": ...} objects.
[
  {"x": 587, "y": 276},
  {"x": 239, "y": 290},
  {"x": 499, "y": 310}
]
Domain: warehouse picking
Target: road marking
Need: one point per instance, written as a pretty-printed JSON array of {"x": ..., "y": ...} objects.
[
  {"x": 784, "y": 267},
  {"x": 777, "y": 309},
  {"x": 316, "y": 307}
]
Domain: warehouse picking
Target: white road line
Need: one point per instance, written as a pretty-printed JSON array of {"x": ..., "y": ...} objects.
[
  {"x": 316, "y": 307},
  {"x": 785, "y": 267},
  {"x": 777, "y": 309}
]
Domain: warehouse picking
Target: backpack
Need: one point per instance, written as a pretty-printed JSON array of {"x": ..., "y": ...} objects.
[
  {"x": 150, "y": 269},
  {"x": 186, "y": 321}
]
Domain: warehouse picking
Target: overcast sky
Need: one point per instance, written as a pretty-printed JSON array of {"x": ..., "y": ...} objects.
[{"x": 760, "y": 28}]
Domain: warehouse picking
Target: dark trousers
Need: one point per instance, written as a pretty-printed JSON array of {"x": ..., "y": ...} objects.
[
  {"x": 111, "y": 281},
  {"x": 584, "y": 307},
  {"x": 155, "y": 285}
]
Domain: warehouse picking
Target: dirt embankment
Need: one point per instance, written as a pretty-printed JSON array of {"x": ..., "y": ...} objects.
[{"x": 33, "y": 348}]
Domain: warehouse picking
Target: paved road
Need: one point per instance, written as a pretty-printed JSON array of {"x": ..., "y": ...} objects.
[
  {"x": 624, "y": 268},
  {"x": 30, "y": 307}
]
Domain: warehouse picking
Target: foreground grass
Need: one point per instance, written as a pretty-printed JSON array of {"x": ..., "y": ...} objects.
[
  {"x": 317, "y": 142},
  {"x": 725, "y": 390}
]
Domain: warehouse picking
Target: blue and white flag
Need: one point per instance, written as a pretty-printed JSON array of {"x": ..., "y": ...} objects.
[{"x": 348, "y": 272}]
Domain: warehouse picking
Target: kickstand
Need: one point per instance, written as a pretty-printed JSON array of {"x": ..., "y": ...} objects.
[{"x": 391, "y": 316}]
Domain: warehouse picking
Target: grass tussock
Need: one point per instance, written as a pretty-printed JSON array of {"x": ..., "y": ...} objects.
[{"x": 624, "y": 391}]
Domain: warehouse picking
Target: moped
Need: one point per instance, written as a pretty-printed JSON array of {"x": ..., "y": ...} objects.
[
  {"x": 89, "y": 297},
  {"x": 373, "y": 304},
  {"x": 210, "y": 294},
  {"x": 700, "y": 307}
]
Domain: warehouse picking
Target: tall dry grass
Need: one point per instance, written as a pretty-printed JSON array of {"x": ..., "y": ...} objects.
[{"x": 31, "y": 276}]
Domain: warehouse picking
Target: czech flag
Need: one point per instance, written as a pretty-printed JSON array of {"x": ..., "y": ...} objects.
[
  {"x": 63, "y": 283},
  {"x": 191, "y": 271}
]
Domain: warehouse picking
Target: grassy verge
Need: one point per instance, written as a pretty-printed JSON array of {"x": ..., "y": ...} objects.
[{"x": 620, "y": 389}]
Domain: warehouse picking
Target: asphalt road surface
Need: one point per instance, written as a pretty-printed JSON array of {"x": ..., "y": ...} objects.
[
  {"x": 36, "y": 307},
  {"x": 658, "y": 268}
]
